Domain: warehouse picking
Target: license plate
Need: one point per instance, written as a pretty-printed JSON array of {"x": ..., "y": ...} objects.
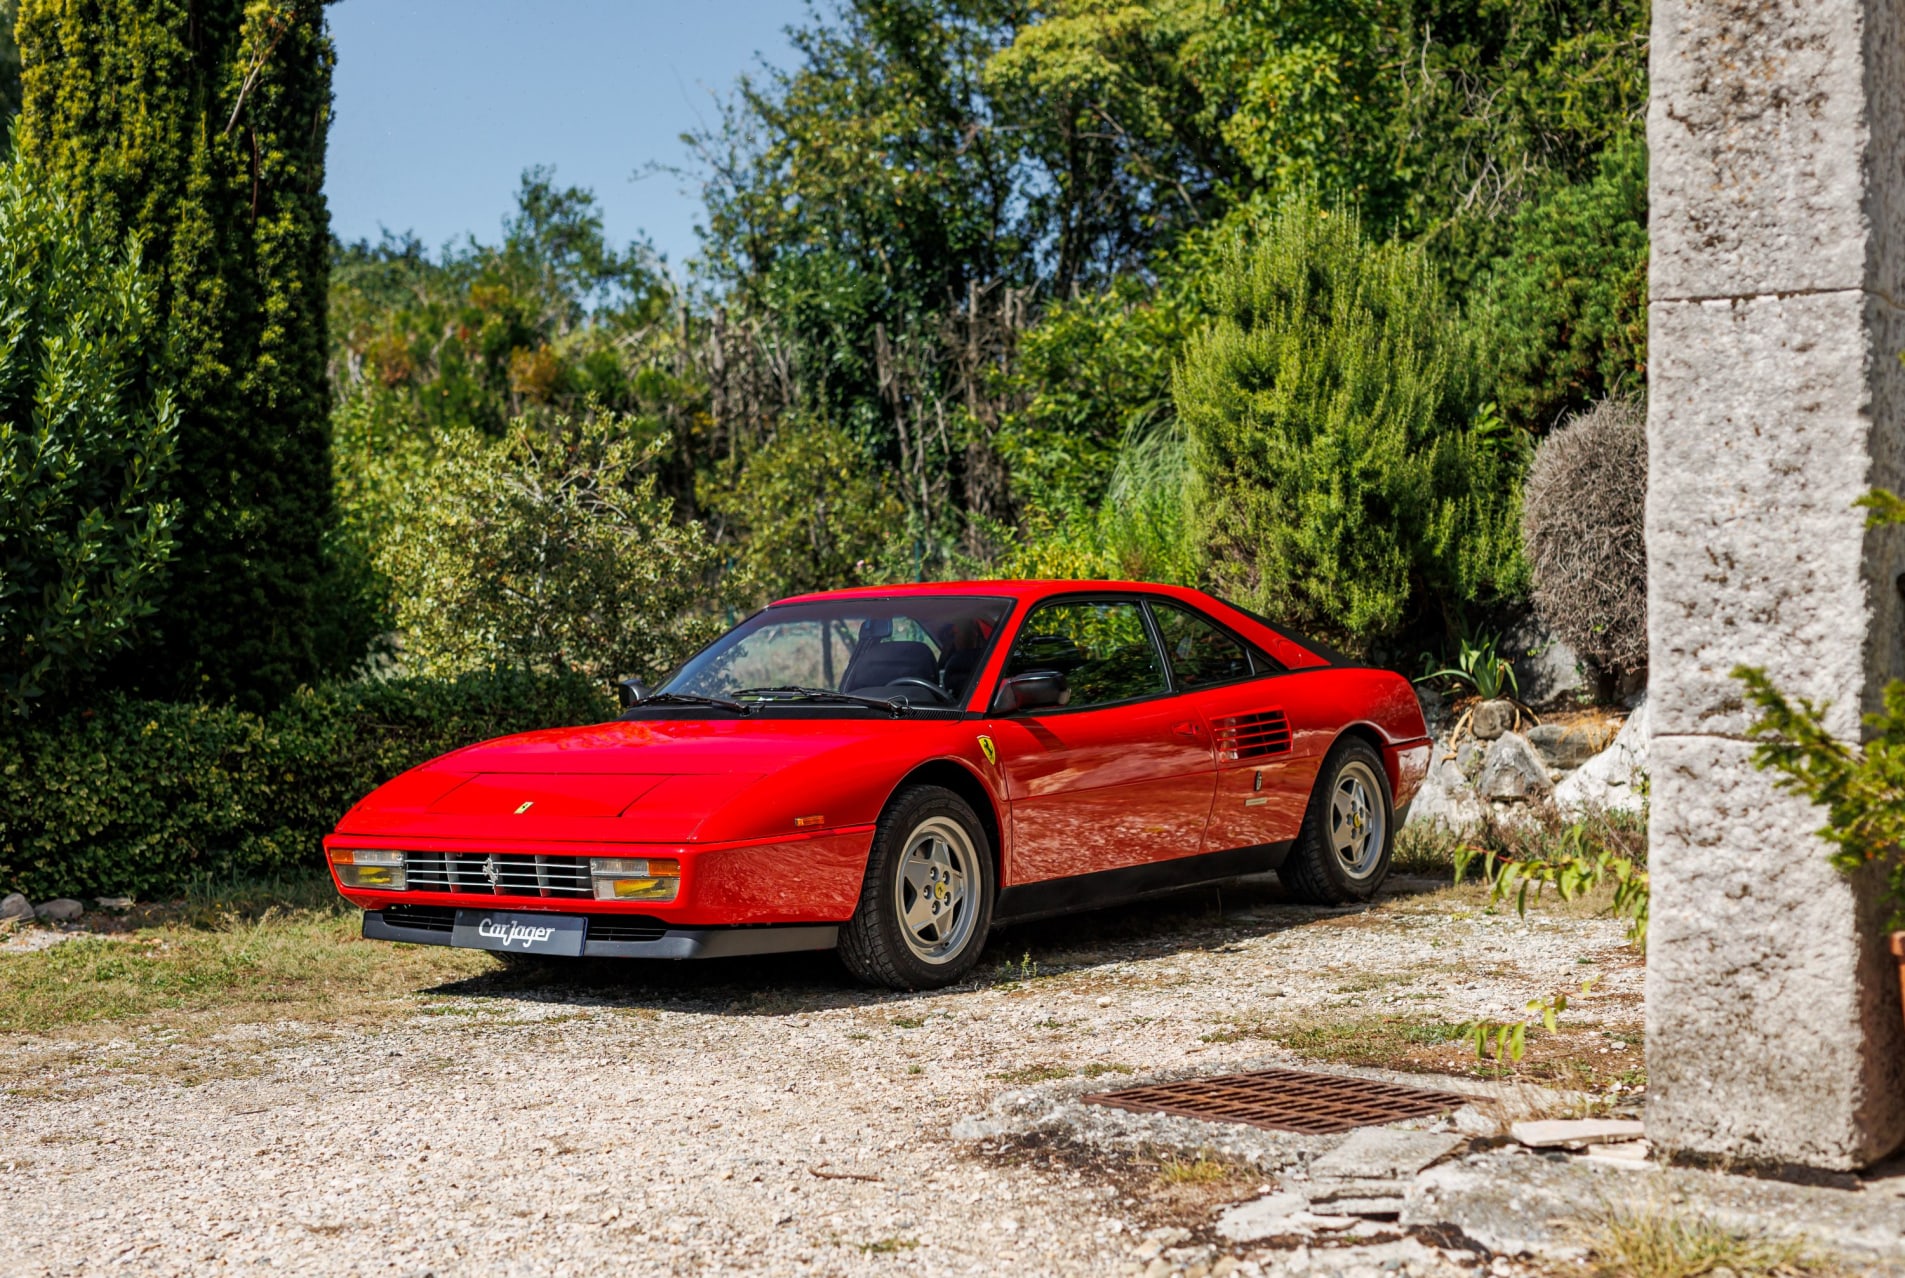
[{"x": 519, "y": 933}]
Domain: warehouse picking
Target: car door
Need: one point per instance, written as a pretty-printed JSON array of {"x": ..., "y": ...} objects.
[
  {"x": 1120, "y": 775},
  {"x": 1260, "y": 721}
]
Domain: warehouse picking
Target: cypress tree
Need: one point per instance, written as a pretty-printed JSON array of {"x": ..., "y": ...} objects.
[
  {"x": 9, "y": 71},
  {"x": 199, "y": 126}
]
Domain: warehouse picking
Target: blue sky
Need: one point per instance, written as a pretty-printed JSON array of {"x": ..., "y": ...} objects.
[{"x": 441, "y": 104}]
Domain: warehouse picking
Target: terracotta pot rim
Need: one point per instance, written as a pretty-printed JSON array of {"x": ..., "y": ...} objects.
[{"x": 1898, "y": 946}]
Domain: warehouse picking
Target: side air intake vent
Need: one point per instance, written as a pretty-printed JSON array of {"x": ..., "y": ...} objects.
[{"x": 1252, "y": 736}]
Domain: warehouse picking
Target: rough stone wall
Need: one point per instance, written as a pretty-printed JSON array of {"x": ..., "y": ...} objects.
[{"x": 1777, "y": 133}]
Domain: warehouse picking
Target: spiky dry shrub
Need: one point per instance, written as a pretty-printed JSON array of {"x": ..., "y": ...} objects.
[{"x": 1583, "y": 529}]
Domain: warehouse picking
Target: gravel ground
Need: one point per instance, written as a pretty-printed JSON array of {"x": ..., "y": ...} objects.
[{"x": 758, "y": 1116}]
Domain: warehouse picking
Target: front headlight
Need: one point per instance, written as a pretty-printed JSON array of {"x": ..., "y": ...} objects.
[
  {"x": 636, "y": 878},
  {"x": 364, "y": 868}
]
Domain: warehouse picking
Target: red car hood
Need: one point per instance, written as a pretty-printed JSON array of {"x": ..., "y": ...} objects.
[{"x": 657, "y": 781}]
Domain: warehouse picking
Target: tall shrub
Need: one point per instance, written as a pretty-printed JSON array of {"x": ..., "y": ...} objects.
[
  {"x": 1584, "y": 514},
  {"x": 550, "y": 550},
  {"x": 1350, "y": 476},
  {"x": 811, "y": 510},
  {"x": 86, "y": 440},
  {"x": 200, "y": 126},
  {"x": 1563, "y": 309}
]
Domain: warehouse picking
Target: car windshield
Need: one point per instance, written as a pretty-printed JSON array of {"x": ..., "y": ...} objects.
[{"x": 926, "y": 649}]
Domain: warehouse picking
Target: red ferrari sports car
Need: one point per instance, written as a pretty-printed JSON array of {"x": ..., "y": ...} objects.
[{"x": 895, "y": 771}]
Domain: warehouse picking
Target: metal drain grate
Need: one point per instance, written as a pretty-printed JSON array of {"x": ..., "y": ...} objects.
[{"x": 1284, "y": 1100}]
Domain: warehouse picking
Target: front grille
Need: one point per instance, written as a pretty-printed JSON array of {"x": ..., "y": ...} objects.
[
  {"x": 1252, "y": 736},
  {"x": 497, "y": 874},
  {"x": 626, "y": 927},
  {"x": 421, "y": 918}
]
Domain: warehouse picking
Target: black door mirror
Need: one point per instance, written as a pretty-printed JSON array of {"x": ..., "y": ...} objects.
[
  {"x": 632, "y": 691},
  {"x": 1030, "y": 691}
]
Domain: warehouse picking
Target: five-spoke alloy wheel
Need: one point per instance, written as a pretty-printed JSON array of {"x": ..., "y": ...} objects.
[
  {"x": 926, "y": 902},
  {"x": 1342, "y": 852}
]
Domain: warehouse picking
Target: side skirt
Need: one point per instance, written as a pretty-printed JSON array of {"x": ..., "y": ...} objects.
[{"x": 1110, "y": 887}]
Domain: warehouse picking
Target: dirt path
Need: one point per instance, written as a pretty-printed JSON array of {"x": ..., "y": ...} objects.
[{"x": 755, "y": 1117}]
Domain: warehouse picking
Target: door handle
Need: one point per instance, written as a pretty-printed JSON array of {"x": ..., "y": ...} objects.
[{"x": 1188, "y": 730}]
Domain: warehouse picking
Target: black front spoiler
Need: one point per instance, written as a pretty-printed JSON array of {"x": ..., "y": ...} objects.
[{"x": 674, "y": 943}]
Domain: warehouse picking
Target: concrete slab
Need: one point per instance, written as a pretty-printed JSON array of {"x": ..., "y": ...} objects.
[
  {"x": 1517, "y": 1202},
  {"x": 1265, "y": 1217},
  {"x": 1384, "y": 1152},
  {"x": 1576, "y": 1133}
]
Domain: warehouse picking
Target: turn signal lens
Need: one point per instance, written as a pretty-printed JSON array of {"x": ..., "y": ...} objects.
[
  {"x": 369, "y": 868},
  {"x": 636, "y": 879}
]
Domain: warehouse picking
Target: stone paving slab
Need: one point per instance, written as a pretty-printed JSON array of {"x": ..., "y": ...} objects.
[{"x": 1516, "y": 1202}]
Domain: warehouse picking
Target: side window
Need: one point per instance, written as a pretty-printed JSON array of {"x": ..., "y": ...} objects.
[
  {"x": 1102, "y": 649},
  {"x": 1200, "y": 653}
]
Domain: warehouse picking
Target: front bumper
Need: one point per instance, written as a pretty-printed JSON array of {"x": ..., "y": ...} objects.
[
  {"x": 433, "y": 926},
  {"x": 801, "y": 879}
]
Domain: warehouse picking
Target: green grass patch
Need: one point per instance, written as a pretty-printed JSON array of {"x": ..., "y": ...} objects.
[{"x": 1652, "y": 1242}]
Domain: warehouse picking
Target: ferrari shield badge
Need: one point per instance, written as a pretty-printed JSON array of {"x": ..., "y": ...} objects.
[{"x": 991, "y": 751}]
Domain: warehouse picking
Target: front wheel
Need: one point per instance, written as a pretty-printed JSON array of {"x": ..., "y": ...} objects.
[
  {"x": 926, "y": 902},
  {"x": 1342, "y": 852}
]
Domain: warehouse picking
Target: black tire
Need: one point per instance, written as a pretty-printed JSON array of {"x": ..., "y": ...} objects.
[
  {"x": 1317, "y": 871},
  {"x": 877, "y": 944}
]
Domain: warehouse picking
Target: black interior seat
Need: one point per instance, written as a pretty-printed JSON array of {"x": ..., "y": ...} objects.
[
  {"x": 884, "y": 662},
  {"x": 961, "y": 664}
]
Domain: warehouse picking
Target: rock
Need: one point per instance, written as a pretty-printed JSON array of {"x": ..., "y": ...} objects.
[
  {"x": 1513, "y": 771},
  {"x": 1613, "y": 780},
  {"x": 1546, "y": 669},
  {"x": 1446, "y": 800},
  {"x": 1492, "y": 718},
  {"x": 61, "y": 910},
  {"x": 1264, "y": 1217},
  {"x": 114, "y": 902},
  {"x": 1468, "y": 758},
  {"x": 1564, "y": 747},
  {"x": 1576, "y": 1133},
  {"x": 1435, "y": 709},
  {"x": 1384, "y": 1152},
  {"x": 15, "y": 907}
]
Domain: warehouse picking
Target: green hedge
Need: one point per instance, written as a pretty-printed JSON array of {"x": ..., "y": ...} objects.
[{"x": 139, "y": 797}]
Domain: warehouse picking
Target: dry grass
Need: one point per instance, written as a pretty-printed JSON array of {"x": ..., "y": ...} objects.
[
  {"x": 275, "y": 953},
  {"x": 1658, "y": 1242},
  {"x": 1195, "y": 1171}
]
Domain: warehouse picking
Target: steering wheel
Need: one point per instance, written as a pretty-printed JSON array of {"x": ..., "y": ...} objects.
[{"x": 940, "y": 695}]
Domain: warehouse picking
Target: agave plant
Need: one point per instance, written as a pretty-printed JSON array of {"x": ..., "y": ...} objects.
[{"x": 1480, "y": 665}]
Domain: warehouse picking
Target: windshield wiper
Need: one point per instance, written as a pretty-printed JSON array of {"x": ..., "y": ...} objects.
[
  {"x": 692, "y": 699},
  {"x": 898, "y": 705}
]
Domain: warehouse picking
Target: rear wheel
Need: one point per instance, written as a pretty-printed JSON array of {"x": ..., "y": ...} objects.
[
  {"x": 1342, "y": 852},
  {"x": 926, "y": 902}
]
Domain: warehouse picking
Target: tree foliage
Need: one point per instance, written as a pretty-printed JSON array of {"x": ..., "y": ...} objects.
[
  {"x": 87, "y": 429},
  {"x": 549, "y": 550},
  {"x": 200, "y": 127},
  {"x": 811, "y": 512},
  {"x": 1351, "y": 476},
  {"x": 1563, "y": 309}
]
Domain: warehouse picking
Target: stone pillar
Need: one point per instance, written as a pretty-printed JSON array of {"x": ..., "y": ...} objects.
[{"x": 1777, "y": 132}]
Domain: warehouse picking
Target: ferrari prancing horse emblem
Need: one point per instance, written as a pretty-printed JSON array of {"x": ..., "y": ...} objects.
[
  {"x": 527, "y": 804},
  {"x": 991, "y": 752}
]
